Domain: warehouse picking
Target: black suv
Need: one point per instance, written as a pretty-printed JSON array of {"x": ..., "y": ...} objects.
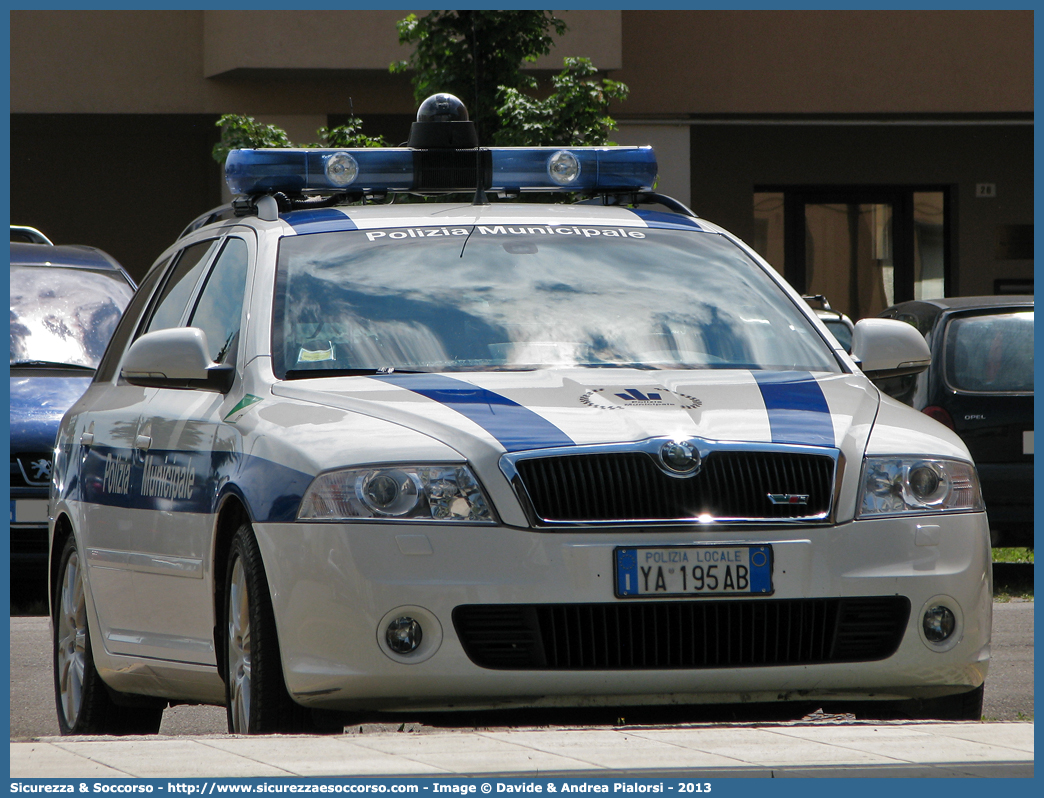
[{"x": 980, "y": 384}]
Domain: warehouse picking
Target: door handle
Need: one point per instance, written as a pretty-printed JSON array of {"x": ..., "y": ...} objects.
[
  {"x": 142, "y": 442},
  {"x": 87, "y": 438}
]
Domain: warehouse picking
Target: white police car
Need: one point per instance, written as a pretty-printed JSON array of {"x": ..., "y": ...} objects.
[{"x": 399, "y": 455}]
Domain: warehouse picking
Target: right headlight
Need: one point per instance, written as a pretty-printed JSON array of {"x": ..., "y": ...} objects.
[
  {"x": 395, "y": 493},
  {"x": 916, "y": 485}
]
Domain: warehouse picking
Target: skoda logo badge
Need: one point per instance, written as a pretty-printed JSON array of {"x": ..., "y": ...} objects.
[{"x": 680, "y": 457}]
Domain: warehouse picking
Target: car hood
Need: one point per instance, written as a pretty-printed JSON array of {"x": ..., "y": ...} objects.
[
  {"x": 38, "y": 403},
  {"x": 484, "y": 414}
]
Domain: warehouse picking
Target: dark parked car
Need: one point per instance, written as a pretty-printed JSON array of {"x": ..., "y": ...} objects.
[
  {"x": 65, "y": 302},
  {"x": 980, "y": 384}
]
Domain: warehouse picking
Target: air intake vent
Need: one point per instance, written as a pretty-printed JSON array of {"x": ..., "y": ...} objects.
[
  {"x": 656, "y": 635},
  {"x": 628, "y": 486}
]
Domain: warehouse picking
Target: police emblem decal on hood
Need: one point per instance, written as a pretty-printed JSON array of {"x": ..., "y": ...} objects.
[{"x": 618, "y": 398}]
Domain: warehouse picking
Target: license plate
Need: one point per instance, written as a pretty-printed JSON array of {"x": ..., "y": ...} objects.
[
  {"x": 694, "y": 571},
  {"x": 28, "y": 511}
]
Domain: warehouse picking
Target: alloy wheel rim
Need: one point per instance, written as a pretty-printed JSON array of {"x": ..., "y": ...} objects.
[
  {"x": 72, "y": 640},
  {"x": 239, "y": 649}
]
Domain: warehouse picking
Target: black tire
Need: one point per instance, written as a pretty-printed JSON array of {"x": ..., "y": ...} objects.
[
  {"x": 84, "y": 703},
  {"x": 256, "y": 698},
  {"x": 962, "y": 706}
]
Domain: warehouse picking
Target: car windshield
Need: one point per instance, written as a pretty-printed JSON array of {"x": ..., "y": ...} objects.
[
  {"x": 990, "y": 353},
  {"x": 64, "y": 316},
  {"x": 504, "y": 297}
]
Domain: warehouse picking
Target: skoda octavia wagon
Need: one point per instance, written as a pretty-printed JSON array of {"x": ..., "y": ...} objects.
[{"x": 352, "y": 454}]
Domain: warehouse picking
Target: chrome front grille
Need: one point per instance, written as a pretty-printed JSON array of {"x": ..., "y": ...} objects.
[{"x": 630, "y": 486}]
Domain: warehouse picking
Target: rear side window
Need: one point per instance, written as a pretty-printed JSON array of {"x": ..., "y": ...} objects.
[{"x": 990, "y": 353}]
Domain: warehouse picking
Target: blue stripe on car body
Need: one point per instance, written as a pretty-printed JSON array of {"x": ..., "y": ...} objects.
[
  {"x": 668, "y": 221},
  {"x": 797, "y": 409},
  {"x": 517, "y": 428},
  {"x": 319, "y": 220},
  {"x": 189, "y": 482}
]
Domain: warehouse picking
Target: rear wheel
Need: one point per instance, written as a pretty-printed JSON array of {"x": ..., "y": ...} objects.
[
  {"x": 84, "y": 703},
  {"x": 256, "y": 699}
]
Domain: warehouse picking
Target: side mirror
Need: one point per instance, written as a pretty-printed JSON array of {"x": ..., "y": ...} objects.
[
  {"x": 889, "y": 348},
  {"x": 175, "y": 358}
]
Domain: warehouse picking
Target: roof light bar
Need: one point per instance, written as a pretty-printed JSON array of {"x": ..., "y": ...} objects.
[{"x": 364, "y": 170}]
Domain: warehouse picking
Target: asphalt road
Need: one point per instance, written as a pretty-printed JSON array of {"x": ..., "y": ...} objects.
[{"x": 1009, "y": 688}]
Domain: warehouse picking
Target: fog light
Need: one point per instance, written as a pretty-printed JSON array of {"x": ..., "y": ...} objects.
[
  {"x": 404, "y": 635},
  {"x": 939, "y": 623}
]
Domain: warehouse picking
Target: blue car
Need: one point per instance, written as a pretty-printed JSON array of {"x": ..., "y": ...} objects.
[{"x": 65, "y": 303}]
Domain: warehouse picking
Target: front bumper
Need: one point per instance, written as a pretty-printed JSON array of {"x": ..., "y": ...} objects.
[
  {"x": 335, "y": 587},
  {"x": 28, "y": 527}
]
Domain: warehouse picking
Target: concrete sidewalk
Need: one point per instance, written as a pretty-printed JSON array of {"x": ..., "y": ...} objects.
[{"x": 821, "y": 749}]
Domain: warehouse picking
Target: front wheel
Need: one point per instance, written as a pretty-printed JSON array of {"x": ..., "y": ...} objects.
[
  {"x": 85, "y": 705},
  {"x": 256, "y": 699}
]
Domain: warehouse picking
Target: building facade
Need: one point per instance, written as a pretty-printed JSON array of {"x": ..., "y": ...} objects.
[{"x": 872, "y": 156}]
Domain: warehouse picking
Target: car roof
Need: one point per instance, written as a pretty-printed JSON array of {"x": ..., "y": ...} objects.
[
  {"x": 970, "y": 302},
  {"x": 66, "y": 255}
]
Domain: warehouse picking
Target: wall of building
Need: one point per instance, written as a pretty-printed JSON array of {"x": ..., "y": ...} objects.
[
  {"x": 729, "y": 162},
  {"x": 827, "y": 62},
  {"x": 676, "y": 62},
  {"x": 732, "y": 100},
  {"x": 126, "y": 185},
  {"x": 256, "y": 62}
]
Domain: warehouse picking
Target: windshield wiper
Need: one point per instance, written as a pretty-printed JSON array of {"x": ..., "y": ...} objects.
[{"x": 52, "y": 364}]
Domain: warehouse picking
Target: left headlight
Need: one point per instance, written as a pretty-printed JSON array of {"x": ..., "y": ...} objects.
[
  {"x": 397, "y": 492},
  {"x": 909, "y": 485}
]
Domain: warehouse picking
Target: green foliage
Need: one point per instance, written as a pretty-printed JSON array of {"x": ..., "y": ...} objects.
[
  {"x": 347, "y": 135},
  {"x": 1009, "y": 554},
  {"x": 472, "y": 54},
  {"x": 244, "y": 132},
  {"x": 575, "y": 114}
]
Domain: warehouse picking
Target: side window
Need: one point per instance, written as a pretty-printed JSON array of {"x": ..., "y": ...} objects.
[
  {"x": 128, "y": 323},
  {"x": 220, "y": 306},
  {"x": 176, "y": 293}
]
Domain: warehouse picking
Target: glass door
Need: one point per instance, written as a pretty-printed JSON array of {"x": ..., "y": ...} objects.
[
  {"x": 862, "y": 248},
  {"x": 849, "y": 255}
]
